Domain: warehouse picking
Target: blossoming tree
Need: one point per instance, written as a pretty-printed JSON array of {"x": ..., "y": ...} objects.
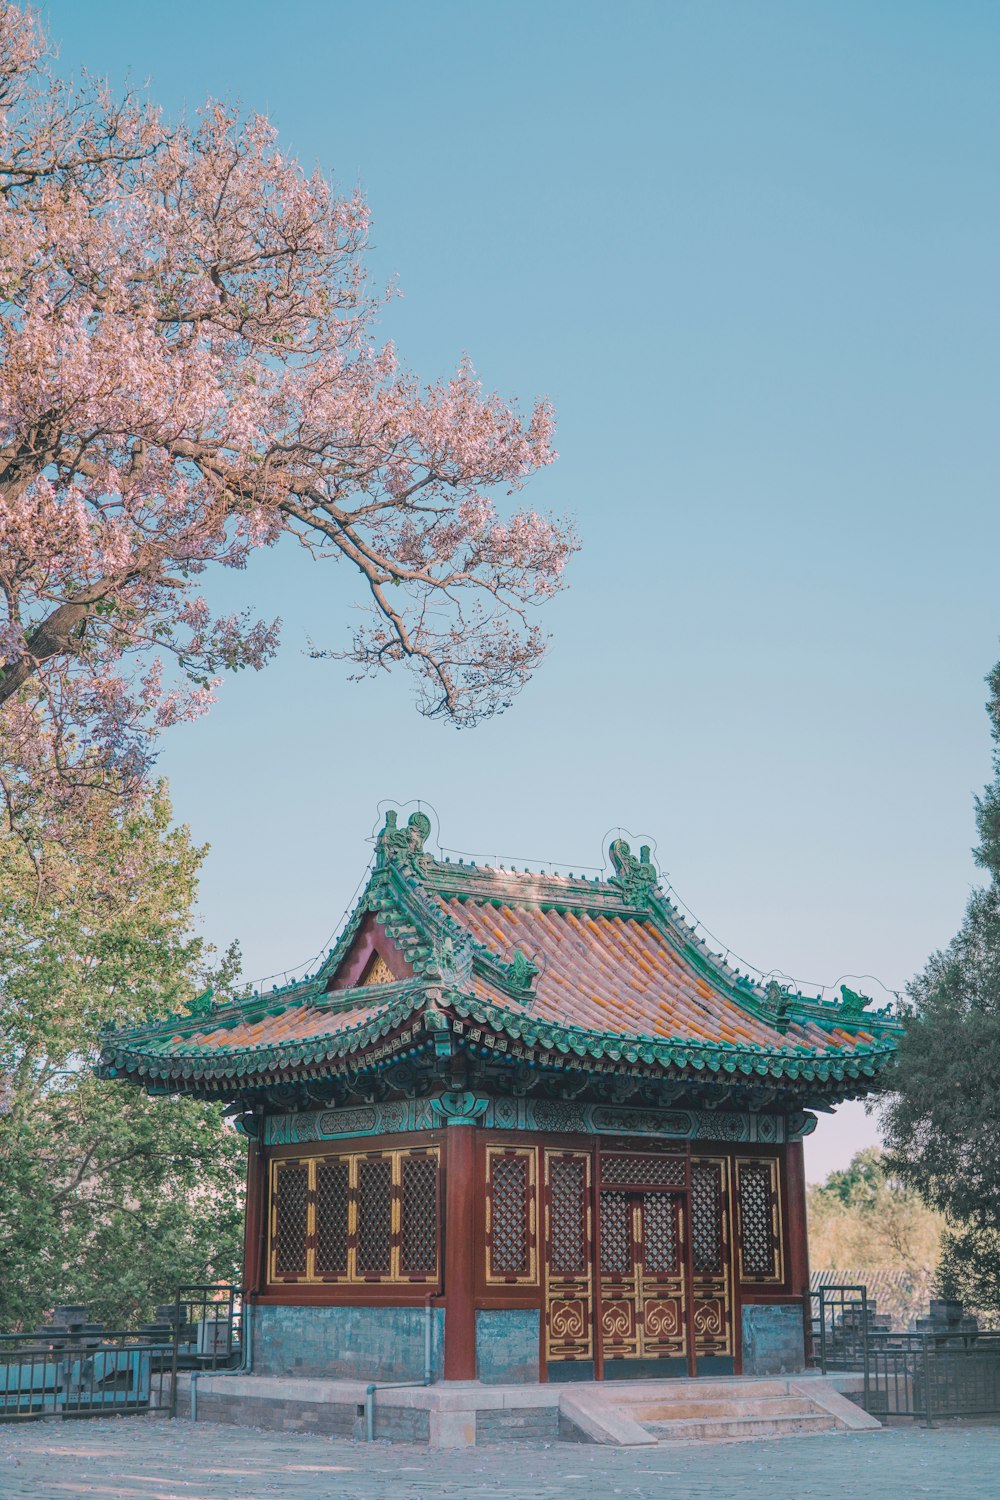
[{"x": 189, "y": 372}]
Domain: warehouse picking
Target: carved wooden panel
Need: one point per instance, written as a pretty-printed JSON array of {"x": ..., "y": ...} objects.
[
  {"x": 377, "y": 972},
  {"x": 758, "y": 1217},
  {"x": 643, "y": 1296},
  {"x": 290, "y": 1207},
  {"x": 643, "y": 1169},
  {"x": 618, "y": 1255},
  {"x": 333, "y": 1205},
  {"x": 568, "y": 1265},
  {"x": 662, "y": 1320},
  {"x": 356, "y": 1217},
  {"x": 711, "y": 1282},
  {"x": 510, "y": 1215},
  {"x": 418, "y": 1217},
  {"x": 373, "y": 1253}
]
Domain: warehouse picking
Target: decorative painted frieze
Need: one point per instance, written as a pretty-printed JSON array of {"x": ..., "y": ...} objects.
[{"x": 549, "y": 1116}]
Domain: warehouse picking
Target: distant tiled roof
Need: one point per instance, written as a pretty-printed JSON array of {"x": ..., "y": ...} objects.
[{"x": 553, "y": 970}]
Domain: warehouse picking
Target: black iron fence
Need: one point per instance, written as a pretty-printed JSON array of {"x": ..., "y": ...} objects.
[
  {"x": 76, "y": 1368},
  {"x": 947, "y": 1368},
  {"x": 208, "y": 1323},
  {"x": 840, "y": 1322}
]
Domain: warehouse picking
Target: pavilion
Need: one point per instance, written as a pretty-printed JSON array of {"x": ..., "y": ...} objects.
[{"x": 523, "y": 1126}]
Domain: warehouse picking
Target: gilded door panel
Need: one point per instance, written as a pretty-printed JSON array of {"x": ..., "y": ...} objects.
[
  {"x": 711, "y": 1279},
  {"x": 569, "y": 1315},
  {"x": 642, "y": 1276},
  {"x": 662, "y": 1320},
  {"x": 619, "y": 1269}
]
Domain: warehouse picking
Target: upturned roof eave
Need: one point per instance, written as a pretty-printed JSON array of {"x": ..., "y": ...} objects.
[
  {"x": 678, "y": 1055},
  {"x": 404, "y": 890}
]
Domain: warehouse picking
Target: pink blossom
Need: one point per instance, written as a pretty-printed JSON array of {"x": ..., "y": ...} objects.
[{"x": 189, "y": 371}]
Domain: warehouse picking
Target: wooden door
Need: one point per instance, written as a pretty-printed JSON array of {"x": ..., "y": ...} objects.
[
  {"x": 643, "y": 1298},
  {"x": 569, "y": 1275},
  {"x": 619, "y": 1258},
  {"x": 662, "y": 1311},
  {"x": 711, "y": 1254}
]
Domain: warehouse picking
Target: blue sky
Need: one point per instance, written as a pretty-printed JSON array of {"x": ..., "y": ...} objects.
[{"x": 751, "y": 254}]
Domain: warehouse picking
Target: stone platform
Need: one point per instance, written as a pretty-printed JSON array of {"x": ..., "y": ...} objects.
[{"x": 453, "y": 1414}]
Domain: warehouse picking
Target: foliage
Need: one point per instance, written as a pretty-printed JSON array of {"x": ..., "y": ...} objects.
[
  {"x": 864, "y": 1216},
  {"x": 942, "y": 1121},
  {"x": 109, "y": 1198},
  {"x": 969, "y": 1268},
  {"x": 189, "y": 373},
  {"x": 112, "y": 1199},
  {"x": 865, "y": 1225}
]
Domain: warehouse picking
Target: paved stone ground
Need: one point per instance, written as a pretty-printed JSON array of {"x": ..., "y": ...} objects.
[{"x": 145, "y": 1459}]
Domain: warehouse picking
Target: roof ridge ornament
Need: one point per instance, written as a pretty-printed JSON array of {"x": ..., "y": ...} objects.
[
  {"x": 521, "y": 970},
  {"x": 851, "y": 1003},
  {"x": 403, "y": 847},
  {"x": 636, "y": 878},
  {"x": 779, "y": 1000}
]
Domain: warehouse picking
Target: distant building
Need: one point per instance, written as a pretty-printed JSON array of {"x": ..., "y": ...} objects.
[{"x": 535, "y": 1105}]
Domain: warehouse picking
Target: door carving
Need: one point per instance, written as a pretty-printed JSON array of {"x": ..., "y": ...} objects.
[
  {"x": 643, "y": 1305},
  {"x": 569, "y": 1279},
  {"x": 711, "y": 1281}
]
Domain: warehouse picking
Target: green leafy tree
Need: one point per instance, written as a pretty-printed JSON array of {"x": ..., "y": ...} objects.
[
  {"x": 109, "y": 1198},
  {"x": 942, "y": 1122},
  {"x": 866, "y": 1217}
]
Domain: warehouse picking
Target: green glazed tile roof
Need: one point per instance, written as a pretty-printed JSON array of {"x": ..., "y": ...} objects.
[{"x": 557, "y": 971}]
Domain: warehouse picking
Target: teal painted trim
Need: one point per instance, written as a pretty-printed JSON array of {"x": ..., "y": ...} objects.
[
  {"x": 785, "y": 1062},
  {"x": 551, "y": 1116}
]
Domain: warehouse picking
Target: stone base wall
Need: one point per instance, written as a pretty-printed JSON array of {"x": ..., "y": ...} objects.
[
  {"x": 520, "y": 1424},
  {"x": 773, "y": 1339},
  {"x": 346, "y": 1343},
  {"x": 507, "y": 1346}
]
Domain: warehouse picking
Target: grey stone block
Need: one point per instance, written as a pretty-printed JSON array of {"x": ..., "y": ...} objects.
[
  {"x": 346, "y": 1343},
  {"x": 507, "y": 1346},
  {"x": 773, "y": 1339},
  {"x": 280, "y": 1416},
  {"x": 522, "y": 1424}
]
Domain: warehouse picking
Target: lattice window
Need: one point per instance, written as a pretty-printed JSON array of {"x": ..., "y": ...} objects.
[
  {"x": 643, "y": 1170},
  {"x": 290, "y": 1226},
  {"x": 567, "y": 1216},
  {"x": 510, "y": 1215},
  {"x": 418, "y": 1219},
  {"x": 707, "y": 1249},
  {"x": 616, "y": 1234},
  {"x": 356, "y": 1217},
  {"x": 333, "y": 1196},
  {"x": 659, "y": 1233},
  {"x": 374, "y": 1198},
  {"x": 759, "y": 1222}
]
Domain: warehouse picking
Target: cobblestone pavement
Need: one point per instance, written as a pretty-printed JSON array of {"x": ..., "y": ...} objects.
[{"x": 121, "y": 1459}]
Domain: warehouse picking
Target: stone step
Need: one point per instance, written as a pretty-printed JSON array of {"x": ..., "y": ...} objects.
[
  {"x": 685, "y": 1407},
  {"x": 702, "y": 1389},
  {"x": 729, "y": 1429}
]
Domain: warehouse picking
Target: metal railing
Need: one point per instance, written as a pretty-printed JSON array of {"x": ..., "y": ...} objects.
[
  {"x": 81, "y": 1369},
  {"x": 119, "y": 1374},
  {"x": 933, "y": 1376},
  {"x": 839, "y": 1318},
  {"x": 937, "y": 1373},
  {"x": 208, "y": 1321}
]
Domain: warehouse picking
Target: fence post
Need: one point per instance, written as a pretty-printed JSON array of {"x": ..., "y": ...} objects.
[
  {"x": 865, "y": 1350},
  {"x": 928, "y": 1394},
  {"x": 175, "y": 1353}
]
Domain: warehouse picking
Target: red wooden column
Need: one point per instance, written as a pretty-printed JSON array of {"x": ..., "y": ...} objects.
[
  {"x": 798, "y": 1237},
  {"x": 460, "y": 1210},
  {"x": 253, "y": 1223}
]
